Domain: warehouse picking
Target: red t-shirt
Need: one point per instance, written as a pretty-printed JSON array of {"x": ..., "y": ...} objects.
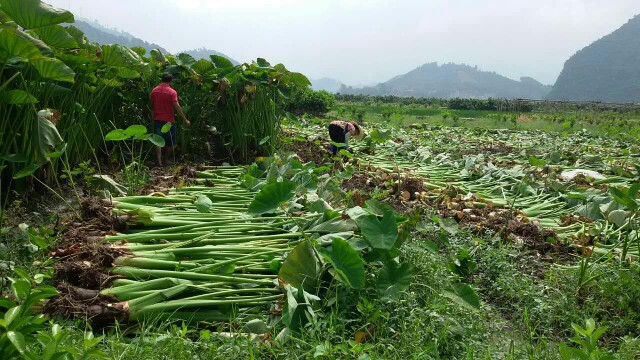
[{"x": 163, "y": 97}]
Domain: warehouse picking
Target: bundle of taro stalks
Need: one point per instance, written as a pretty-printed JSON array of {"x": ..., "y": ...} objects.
[{"x": 192, "y": 254}]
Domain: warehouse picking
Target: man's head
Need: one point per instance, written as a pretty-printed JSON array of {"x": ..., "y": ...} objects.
[{"x": 167, "y": 78}]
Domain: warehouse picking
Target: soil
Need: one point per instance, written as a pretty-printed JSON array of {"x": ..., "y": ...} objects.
[
  {"x": 74, "y": 302},
  {"x": 160, "y": 182},
  {"x": 308, "y": 151}
]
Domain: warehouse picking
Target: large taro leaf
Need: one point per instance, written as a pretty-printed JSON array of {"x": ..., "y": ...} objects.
[
  {"x": 157, "y": 56},
  {"x": 299, "y": 80},
  {"x": 202, "y": 66},
  {"x": 348, "y": 266},
  {"x": 120, "y": 56},
  {"x": 186, "y": 59},
  {"x": 393, "y": 279},
  {"x": 32, "y": 14},
  {"x": 464, "y": 295},
  {"x": 334, "y": 225},
  {"x": 15, "y": 44},
  {"x": 53, "y": 69},
  {"x": 56, "y": 36},
  {"x": 271, "y": 196},
  {"x": 17, "y": 97},
  {"x": 221, "y": 62},
  {"x": 76, "y": 34},
  {"x": 302, "y": 267},
  {"x": 47, "y": 141},
  {"x": 379, "y": 234}
]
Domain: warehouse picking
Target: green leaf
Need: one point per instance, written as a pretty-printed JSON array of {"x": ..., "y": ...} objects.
[
  {"x": 127, "y": 73},
  {"x": 379, "y": 234},
  {"x": 157, "y": 56},
  {"x": 32, "y": 14},
  {"x": 17, "y": 97},
  {"x": 26, "y": 171},
  {"x": 186, "y": 59},
  {"x": 11, "y": 315},
  {"x": 17, "y": 44},
  {"x": 263, "y": 63},
  {"x": 53, "y": 69},
  {"x": 221, "y": 62},
  {"x": 271, "y": 197},
  {"x": 299, "y": 80},
  {"x": 347, "y": 264},
  {"x": 203, "y": 204},
  {"x": 534, "y": 161},
  {"x": 157, "y": 140},
  {"x": 117, "y": 135},
  {"x": 301, "y": 267},
  {"x": 77, "y": 34},
  {"x": 120, "y": 56},
  {"x": 56, "y": 36},
  {"x": 393, "y": 279},
  {"x": 202, "y": 66},
  {"x": 135, "y": 130},
  {"x": 47, "y": 141},
  {"x": 17, "y": 340},
  {"x": 590, "y": 210},
  {"x": 166, "y": 128},
  {"x": 467, "y": 294}
]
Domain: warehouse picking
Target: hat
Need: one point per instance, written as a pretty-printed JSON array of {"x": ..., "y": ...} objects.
[{"x": 359, "y": 129}]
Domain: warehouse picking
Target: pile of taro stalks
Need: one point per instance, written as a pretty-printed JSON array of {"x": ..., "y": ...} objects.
[{"x": 194, "y": 259}]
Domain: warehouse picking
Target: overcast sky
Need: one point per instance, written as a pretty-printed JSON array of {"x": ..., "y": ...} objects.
[{"x": 370, "y": 41}]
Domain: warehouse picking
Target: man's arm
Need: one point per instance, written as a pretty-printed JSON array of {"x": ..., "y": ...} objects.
[{"x": 176, "y": 105}]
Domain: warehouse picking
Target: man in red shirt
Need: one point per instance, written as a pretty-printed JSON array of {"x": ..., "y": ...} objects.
[{"x": 164, "y": 100}]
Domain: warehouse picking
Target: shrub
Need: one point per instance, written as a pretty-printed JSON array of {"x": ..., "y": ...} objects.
[{"x": 311, "y": 102}]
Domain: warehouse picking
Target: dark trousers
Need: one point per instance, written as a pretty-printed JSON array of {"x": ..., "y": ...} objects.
[{"x": 337, "y": 135}]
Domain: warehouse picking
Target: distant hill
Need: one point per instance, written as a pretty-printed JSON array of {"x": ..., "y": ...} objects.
[
  {"x": 203, "y": 53},
  {"x": 606, "y": 70},
  {"x": 100, "y": 34},
  {"x": 326, "y": 84},
  {"x": 454, "y": 81}
]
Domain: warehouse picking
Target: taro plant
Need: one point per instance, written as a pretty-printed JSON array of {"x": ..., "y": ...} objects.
[
  {"x": 587, "y": 339},
  {"x": 133, "y": 150},
  {"x": 27, "y": 334}
]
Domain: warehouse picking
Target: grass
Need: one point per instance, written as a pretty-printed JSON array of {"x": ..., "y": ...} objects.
[{"x": 597, "y": 122}]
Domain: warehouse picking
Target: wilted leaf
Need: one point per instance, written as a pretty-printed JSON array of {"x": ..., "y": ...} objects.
[{"x": 301, "y": 267}]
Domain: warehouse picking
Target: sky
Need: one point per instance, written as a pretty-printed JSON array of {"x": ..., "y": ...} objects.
[{"x": 368, "y": 41}]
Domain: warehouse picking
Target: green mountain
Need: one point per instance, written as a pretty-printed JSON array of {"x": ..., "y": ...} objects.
[
  {"x": 606, "y": 70},
  {"x": 203, "y": 53},
  {"x": 448, "y": 81},
  {"x": 101, "y": 34}
]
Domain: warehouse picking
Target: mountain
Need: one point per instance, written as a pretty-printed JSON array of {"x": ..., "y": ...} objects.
[
  {"x": 326, "y": 84},
  {"x": 454, "y": 81},
  {"x": 606, "y": 70},
  {"x": 203, "y": 53},
  {"x": 100, "y": 34}
]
